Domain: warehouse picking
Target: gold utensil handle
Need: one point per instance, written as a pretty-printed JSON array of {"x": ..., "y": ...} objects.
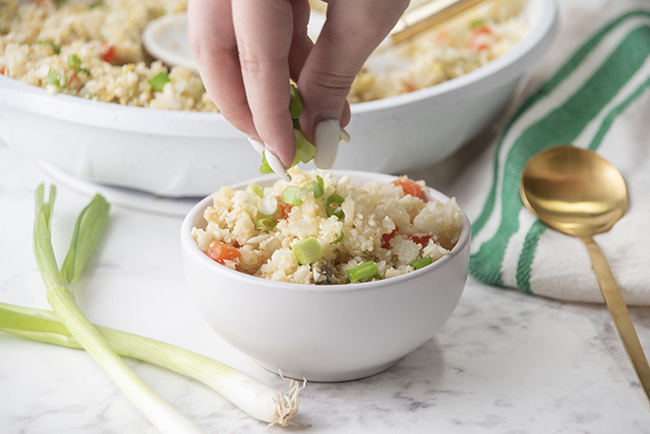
[
  {"x": 620, "y": 314},
  {"x": 427, "y": 15}
]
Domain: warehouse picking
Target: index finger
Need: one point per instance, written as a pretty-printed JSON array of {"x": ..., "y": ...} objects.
[{"x": 264, "y": 30}]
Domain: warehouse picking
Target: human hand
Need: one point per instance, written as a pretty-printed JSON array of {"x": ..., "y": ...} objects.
[{"x": 247, "y": 50}]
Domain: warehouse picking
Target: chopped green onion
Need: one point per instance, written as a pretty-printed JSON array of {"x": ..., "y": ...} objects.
[
  {"x": 321, "y": 183},
  {"x": 265, "y": 168},
  {"x": 295, "y": 105},
  {"x": 307, "y": 251},
  {"x": 88, "y": 228},
  {"x": 363, "y": 271},
  {"x": 60, "y": 2},
  {"x": 311, "y": 186},
  {"x": 159, "y": 81},
  {"x": 265, "y": 224},
  {"x": 338, "y": 239},
  {"x": 421, "y": 262},
  {"x": 476, "y": 23},
  {"x": 291, "y": 196},
  {"x": 268, "y": 205},
  {"x": 51, "y": 43},
  {"x": 305, "y": 151},
  {"x": 255, "y": 189},
  {"x": 335, "y": 210},
  {"x": 56, "y": 79},
  {"x": 74, "y": 62},
  {"x": 251, "y": 395},
  {"x": 97, "y": 5}
]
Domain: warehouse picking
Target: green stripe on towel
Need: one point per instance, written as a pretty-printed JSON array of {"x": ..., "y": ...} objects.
[{"x": 561, "y": 125}]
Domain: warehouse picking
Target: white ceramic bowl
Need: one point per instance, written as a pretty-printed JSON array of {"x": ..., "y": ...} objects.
[
  {"x": 329, "y": 332},
  {"x": 175, "y": 154}
]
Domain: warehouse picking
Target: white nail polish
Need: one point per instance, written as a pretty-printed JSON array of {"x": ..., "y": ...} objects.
[
  {"x": 326, "y": 139},
  {"x": 276, "y": 166},
  {"x": 257, "y": 145},
  {"x": 345, "y": 136}
]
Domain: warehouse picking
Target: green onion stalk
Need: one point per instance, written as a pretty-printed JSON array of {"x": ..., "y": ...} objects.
[
  {"x": 248, "y": 393},
  {"x": 75, "y": 326}
]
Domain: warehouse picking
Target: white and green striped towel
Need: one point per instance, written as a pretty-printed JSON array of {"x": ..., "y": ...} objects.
[{"x": 597, "y": 99}]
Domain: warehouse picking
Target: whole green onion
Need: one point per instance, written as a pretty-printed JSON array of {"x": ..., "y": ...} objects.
[
  {"x": 421, "y": 262},
  {"x": 251, "y": 395},
  {"x": 159, "y": 81},
  {"x": 307, "y": 251},
  {"x": 87, "y": 231},
  {"x": 363, "y": 271}
]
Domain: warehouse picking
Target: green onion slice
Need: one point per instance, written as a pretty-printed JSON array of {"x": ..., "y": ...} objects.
[
  {"x": 476, "y": 23},
  {"x": 268, "y": 205},
  {"x": 338, "y": 239},
  {"x": 265, "y": 168},
  {"x": 255, "y": 189},
  {"x": 311, "y": 186},
  {"x": 55, "y": 47},
  {"x": 305, "y": 151},
  {"x": 295, "y": 105},
  {"x": 56, "y": 79},
  {"x": 421, "y": 262},
  {"x": 333, "y": 206},
  {"x": 291, "y": 195},
  {"x": 307, "y": 250},
  {"x": 321, "y": 183},
  {"x": 265, "y": 224},
  {"x": 74, "y": 62},
  {"x": 159, "y": 81},
  {"x": 363, "y": 271}
]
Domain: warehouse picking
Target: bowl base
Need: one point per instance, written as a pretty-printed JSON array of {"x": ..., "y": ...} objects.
[{"x": 328, "y": 377}]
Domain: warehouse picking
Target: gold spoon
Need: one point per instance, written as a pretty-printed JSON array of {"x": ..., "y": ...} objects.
[{"x": 577, "y": 192}]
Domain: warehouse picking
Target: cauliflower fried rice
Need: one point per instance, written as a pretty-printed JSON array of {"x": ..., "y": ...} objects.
[
  {"x": 38, "y": 38},
  {"x": 391, "y": 225}
]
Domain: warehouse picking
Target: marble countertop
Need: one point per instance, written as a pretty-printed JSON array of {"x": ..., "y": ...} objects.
[{"x": 506, "y": 362}]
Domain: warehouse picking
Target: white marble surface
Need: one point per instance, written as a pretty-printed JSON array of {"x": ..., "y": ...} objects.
[{"x": 506, "y": 362}]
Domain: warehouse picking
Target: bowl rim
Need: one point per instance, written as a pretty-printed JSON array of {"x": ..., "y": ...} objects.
[
  {"x": 133, "y": 117},
  {"x": 189, "y": 246}
]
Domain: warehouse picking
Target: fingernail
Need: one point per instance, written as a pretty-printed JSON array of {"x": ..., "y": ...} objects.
[
  {"x": 345, "y": 136},
  {"x": 326, "y": 138},
  {"x": 257, "y": 145},
  {"x": 276, "y": 166}
]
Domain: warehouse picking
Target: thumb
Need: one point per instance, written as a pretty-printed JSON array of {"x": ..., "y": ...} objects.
[{"x": 352, "y": 31}]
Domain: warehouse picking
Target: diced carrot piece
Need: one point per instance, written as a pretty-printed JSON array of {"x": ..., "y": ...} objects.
[
  {"x": 409, "y": 187},
  {"x": 476, "y": 41},
  {"x": 385, "y": 239},
  {"x": 108, "y": 53},
  {"x": 284, "y": 208},
  {"x": 422, "y": 240},
  {"x": 408, "y": 86},
  {"x": 220, "y": 252},
  {"x": 3, "y": 70}
]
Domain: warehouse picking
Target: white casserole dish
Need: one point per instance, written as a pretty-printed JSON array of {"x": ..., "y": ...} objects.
[{"x": 182, "y": 154}]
